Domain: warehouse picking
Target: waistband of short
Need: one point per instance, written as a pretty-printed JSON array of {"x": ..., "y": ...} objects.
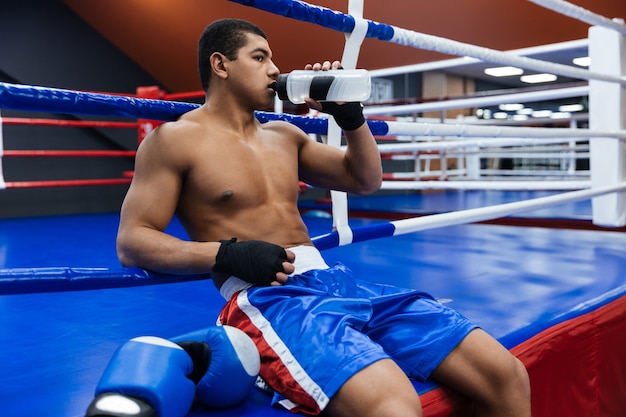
[{"x": 307, "y": 259}]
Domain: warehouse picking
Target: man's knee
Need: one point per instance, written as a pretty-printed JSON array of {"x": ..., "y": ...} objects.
[
  {"x": 520, "y": 378},
  {"x": 511, "y": 391},
  {"x": 399, "y": 406},
  {"x": 380, "y": 390}
]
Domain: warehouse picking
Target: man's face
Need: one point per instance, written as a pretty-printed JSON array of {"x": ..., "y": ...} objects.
[{"x": 255, "y": 71}]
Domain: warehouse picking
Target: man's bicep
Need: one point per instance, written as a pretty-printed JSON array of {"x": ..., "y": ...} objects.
[
  {"x": 323, "y": 165},
  {"x": 153, "y": 194},
  {"x": 148, "y": 204}
]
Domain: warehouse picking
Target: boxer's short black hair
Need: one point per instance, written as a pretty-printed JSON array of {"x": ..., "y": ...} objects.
[{"x": 226, "y": 36}]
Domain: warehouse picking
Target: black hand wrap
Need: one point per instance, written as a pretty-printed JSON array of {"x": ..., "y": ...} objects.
[
  {"x": 349, "y": 116},
  {"x": 253, "y": 261}
]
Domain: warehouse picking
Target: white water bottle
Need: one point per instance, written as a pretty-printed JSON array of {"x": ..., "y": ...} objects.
[{"x": 331, "y": 85}]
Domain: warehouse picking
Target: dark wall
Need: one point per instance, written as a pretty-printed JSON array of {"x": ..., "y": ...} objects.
[{"x": 44, "y": 43}]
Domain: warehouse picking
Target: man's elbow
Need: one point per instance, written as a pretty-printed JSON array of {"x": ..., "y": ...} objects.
[
  {"x": 124, "y": 255},
  {"x": 370, "y": 186}
]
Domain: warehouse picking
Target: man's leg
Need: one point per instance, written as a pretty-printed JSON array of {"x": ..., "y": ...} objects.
[
  {"x": 483, "y": 370},
  {"x": 380, "y": 390}
]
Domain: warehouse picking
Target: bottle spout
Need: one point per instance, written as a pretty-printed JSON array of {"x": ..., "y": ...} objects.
[{"x": 280, "y": 86}]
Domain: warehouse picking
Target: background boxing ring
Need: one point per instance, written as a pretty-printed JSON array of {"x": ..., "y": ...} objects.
[{"x": 553, "y": 296}]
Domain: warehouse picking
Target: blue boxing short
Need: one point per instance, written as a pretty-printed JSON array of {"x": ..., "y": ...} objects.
[{"x": 323, "y": 326}]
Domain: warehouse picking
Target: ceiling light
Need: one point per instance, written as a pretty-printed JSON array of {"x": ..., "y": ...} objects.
[
  {"x": 500, "y": 115},
  {"x": 503, "y": 71},
  {"x": 483, "y": 113},
  {"x": 583, "y": 61},
  {"x": 538, "y": 78},
  {"x": 520, "y": 117},
  {"x": 561, "y": 115},
  {"x": 571, "y": 107},
  {"x": 542, "y": 113},
  {"x": 511, "y": 106},
  {"x": 525, "y": 111}
]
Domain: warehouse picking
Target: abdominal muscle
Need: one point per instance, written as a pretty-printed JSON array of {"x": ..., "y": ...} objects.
[
  {"x": 269, "y": 222},
  {"x": 274, "y": 223}
]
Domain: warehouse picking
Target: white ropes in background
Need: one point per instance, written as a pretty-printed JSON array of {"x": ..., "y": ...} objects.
[
  {"x": 500, "y": 210},
  {"x": 584, "y": 15},
  {"x": 550, "y": 94},
  {"x": 461, "y": 130},
  {"x": 454, "y": 62},
  {"x": 541, "y": 185},
  {"x": 461, "y": 144},
  {"x": 448, "y": 46},
  {"x": 433, "y": 221}
]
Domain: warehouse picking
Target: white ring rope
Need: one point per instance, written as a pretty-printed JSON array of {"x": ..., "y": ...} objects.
[
  {"x": 460, "y": 130},
  {"x": 487, "y": 185},
  {"x": 455, "y": 62},
  {"x": 551, "y": 94},
  {"x": 448, "y": 46},
  {"x": 505, "y": 174},
  {"x": 493, "y": 212},
  {"x": 460, "y": 144},
  {"x": 584, "y": 15}
]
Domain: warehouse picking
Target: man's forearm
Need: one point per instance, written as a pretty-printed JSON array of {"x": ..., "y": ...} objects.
[
  {"x": 363, "y": 159},
  {"x": 157, "y": 251}
]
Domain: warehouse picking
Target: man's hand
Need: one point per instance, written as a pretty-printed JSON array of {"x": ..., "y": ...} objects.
[
  {"x": 349, "y": 116},
  {"x": 254, "y": 261},
  {"x": 327, "y": 65}
]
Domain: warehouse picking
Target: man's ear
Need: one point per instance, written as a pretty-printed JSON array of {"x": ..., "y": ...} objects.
[{"x": 219, "y": 64}]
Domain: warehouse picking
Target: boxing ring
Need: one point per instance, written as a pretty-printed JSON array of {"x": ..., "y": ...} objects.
[{"x": 554, "y": 296}]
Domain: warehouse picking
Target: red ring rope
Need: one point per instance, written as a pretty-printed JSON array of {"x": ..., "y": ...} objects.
[
  {"x": 68, "y": 123},
  {"x": 66, "y": 153},
  {"x": 66, "y": 183}
]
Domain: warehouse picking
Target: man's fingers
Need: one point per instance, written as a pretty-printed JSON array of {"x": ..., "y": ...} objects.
[
  {"x": 288, "y": 268},
  {"x": 291, "y": 256}
]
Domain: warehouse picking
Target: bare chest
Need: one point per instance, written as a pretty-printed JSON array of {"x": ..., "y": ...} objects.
[{"x": 239, "y": 176}]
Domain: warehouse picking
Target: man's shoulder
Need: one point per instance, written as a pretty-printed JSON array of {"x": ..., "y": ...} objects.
[
  {"x": 284, "y": 129},
  {"x": 181, "y": 128},
  {"x": 278, "y": 124}
]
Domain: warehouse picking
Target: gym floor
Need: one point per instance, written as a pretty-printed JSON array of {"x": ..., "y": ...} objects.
[{"x": 513, "y": 281}]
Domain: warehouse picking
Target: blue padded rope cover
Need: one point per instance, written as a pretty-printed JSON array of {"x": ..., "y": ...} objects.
[
  {"x": 359, "y": 234},
  {"x": 54, "y": 100},
  {"x": 322, "y": 16},
  {"x": 52, "y": 279}
]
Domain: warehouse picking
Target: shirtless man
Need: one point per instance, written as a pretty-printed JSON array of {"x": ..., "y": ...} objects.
[{"x": 226, "y": 175}]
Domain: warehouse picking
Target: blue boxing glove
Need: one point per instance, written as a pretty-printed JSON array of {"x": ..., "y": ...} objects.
[
  {"x": 147, "y": 376},
  {"x": 226, "y": 366}
]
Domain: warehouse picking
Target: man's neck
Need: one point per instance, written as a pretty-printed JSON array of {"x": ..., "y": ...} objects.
[{"x": 230, "y": 114}]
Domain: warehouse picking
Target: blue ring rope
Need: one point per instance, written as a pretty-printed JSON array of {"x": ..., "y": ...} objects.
[
  {"x": 323, "y": 16},
  {"x": 55, "y": 279},
  {"x": 359, "y": 234},
  {"x": 55, "y": 100}
]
